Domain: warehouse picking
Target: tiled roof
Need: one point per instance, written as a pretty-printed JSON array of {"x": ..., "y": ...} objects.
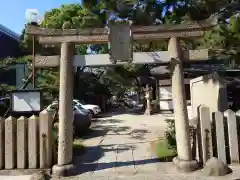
[
  {"x": 9, "y": 32},
  {"x": 9, "y": 43}
]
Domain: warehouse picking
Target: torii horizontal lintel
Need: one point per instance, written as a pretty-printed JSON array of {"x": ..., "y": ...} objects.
[
  {"x": 140, "y": 33},
  {"x": 97, "y": 39},
  {"x": 194, "y": 25},
  {"x": 97, "y": 60}
]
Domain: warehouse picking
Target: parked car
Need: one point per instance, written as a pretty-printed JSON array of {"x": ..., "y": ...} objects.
[
  {"x": 126, "y": 102},
  {"x": 81, "y": 118},
  {"x": 93, "y": 109}
]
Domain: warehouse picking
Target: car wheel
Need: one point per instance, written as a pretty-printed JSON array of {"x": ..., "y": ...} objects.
[{"x": 91, "y": 113}]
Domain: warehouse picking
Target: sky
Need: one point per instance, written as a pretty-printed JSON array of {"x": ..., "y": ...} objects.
[{"x": 12, "y": 12}]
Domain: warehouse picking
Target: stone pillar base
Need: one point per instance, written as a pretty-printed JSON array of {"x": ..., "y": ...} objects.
[
  {"x": 148, "y": 112},
  {"x": 63, "y": 170},
  {"x": 185, "y": 166}
]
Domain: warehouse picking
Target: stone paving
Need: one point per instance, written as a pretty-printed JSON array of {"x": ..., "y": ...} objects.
[
  {"x": 24, "y": 177},
  {"x": 120, "y": 148},
  {"x": 121, "y": 144}
]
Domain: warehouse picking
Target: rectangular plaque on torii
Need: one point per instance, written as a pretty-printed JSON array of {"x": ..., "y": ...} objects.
[{"x": 120, "y": 38}]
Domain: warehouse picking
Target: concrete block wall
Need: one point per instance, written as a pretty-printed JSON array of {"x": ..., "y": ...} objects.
[{"x": 209, "y": 90}]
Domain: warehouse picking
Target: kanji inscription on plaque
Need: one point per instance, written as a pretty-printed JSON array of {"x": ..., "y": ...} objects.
[{"x": 120, "y": 39}]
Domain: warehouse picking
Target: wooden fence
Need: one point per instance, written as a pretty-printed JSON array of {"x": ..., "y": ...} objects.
[
  {"x": 217, "y": 135},
  {"x": 26, "y": 143}
]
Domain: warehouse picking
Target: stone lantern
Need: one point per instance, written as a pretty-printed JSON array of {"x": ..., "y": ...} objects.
[{"x": 148, "y": 97}]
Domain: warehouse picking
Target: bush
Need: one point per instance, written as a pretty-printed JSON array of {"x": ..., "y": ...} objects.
[
  {"x": 170, "y": 135},
  {"x": 55, "y": 142}
]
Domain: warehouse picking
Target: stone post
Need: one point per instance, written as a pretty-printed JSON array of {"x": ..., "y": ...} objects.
[
  {"x": 45, "y": 138},
  {"x": 184, "y": 160},
  {"x": 65, "y": 166},
  {"x": 33, "y": 141},
  {"x": 10, "y": 142},
  {"x": 22, "y": 141}
]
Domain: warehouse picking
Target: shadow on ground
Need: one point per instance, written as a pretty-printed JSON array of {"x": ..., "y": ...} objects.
[
  {"x": 112, "y": 127},
  {"x": 115, "y": 130},
  {"x": 89, "y": 162},
  {"x": 122, "y": 110}
]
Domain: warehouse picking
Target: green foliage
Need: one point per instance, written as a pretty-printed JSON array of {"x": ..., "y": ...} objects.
[
  {"x": 223, "y": 40},
  {"x": 163, "y": 152},
  {"x": 81, "y": 49},
  {"x": 90, "y": 84},
  {"x": 4, "y": 88},
  {"x": 170, "y": 134},
  {"x": 8, "y": 64},
  {"x": 95, "y": 13},
  {"x": 48, "y": 81},
  {"x": 77, "y": 15}
]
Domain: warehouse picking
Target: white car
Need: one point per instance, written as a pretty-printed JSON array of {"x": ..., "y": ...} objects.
[
  {"x": 81, "y": 118},
  {"x": 76, "y": 108},
  {"x": 93, "y": 109}
]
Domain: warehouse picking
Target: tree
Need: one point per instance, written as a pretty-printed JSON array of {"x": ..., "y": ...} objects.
[
  {"x": 223, "y": 40},
  {"x": 95, "y": 13},
  {"x": 8, "y": 64}
]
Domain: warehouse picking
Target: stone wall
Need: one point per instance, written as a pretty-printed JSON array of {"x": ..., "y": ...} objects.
[
  {"x": 209, "y": 90},
  {"x": 217, "y": 138}
]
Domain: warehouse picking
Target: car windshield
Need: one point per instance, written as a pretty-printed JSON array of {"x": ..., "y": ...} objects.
[
  {"x": 80, "y": 110},
  {"x": 54, "y": 106},
  {"x": 79, "y": 106},
  {"x": 82, "y": 102}
]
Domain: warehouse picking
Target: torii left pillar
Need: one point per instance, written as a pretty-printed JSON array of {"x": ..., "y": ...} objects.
[
  {"x": 65, "y": 166},
  {"x": 183, "y": 161}
]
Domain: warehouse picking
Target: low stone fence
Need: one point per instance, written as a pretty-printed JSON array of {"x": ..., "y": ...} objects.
[
  {"x": 217, "y": 135},
  {"x": 26, "y": 143}
]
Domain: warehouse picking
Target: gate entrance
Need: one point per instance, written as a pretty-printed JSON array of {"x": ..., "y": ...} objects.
[{"x": 174, "y": 56}]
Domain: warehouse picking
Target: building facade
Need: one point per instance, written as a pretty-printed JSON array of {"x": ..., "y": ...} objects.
[{"x": 10, "y": 47}]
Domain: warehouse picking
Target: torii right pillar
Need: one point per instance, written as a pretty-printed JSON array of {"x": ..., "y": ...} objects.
[{"x": 183, "y": 161}]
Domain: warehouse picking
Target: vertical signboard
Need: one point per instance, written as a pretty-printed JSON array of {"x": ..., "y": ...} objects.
[{"x": 120, "y": 38}]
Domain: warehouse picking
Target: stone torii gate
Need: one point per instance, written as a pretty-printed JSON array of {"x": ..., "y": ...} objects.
[{"x": 68, "y": 37}]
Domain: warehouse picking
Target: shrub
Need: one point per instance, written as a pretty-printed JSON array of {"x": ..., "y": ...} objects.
[
  {"x": 170, "y": 135},
  {"x": 55, "y": 142}
]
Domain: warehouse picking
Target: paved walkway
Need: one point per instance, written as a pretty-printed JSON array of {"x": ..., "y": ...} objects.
[
  {"x": 121, "y": 144},
  {"x": 25, "y": 177},
  {"x": 120, "y": 148}
]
